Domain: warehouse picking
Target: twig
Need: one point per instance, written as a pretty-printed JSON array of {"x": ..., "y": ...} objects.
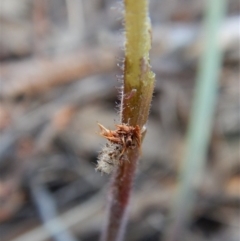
[
  {"x": 76, "y": 18},
  {"x": 41, "y": 25},
  {"x": 77, "y": 215},
  {"x": 78, "y": 95},
  {"x": 48, "y": 213},
  {"x": 38, "y": 75}
]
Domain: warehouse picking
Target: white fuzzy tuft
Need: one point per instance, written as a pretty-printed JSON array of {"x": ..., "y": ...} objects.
[{"x": 109, "y": 158}]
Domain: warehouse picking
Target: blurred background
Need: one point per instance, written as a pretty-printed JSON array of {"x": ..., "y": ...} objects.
[{"x": 61, "y": 64}]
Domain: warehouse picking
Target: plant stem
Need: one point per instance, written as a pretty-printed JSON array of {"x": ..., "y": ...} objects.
[
  {"x": 138, "y": 76},
  {"x": 201, "y": 122},
  {"x": 136, "y": 99}
]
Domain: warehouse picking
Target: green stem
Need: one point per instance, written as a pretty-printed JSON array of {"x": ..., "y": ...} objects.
[
  {"x": 136, "y": 99},
  {"x": 138, "y": 77}
]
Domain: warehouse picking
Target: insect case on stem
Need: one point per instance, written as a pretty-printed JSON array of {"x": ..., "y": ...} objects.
[{"x": 121, "y": 140}]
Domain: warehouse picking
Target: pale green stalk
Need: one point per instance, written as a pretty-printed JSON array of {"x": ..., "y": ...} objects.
[{"x": 200, "y": 124}]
